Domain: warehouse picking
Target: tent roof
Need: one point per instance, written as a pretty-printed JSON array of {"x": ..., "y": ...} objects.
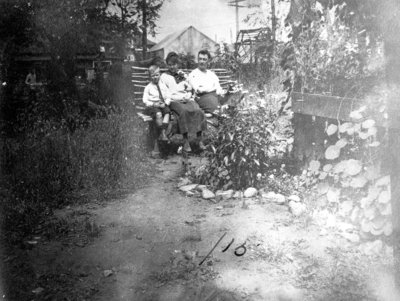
[{"x": 172, "y": 37}]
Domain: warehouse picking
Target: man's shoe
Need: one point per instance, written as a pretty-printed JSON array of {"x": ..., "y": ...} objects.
[
  {"x": 186, "y": 147},
  {"x": 155, "y": 154},
  {"x": 202, "y": 146}
]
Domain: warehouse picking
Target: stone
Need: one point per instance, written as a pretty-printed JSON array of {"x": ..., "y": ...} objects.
[
  {"x": 250, "y": 192},
  {"x": 274, "y": 197},
  {"x": 189, "y": 187},
  {"x": 225, "y": 194},
  {"x": 237, "y": 194},
  {"x": 107, "y": 273},
  {"x": 201, "y": 187},
  {"x": 297, "y": 209},
  {"x": 184, "y": 181},
  {"x": 294, "y": 198},
  {"x": 190, "y": 193},
  {"x": 207, "y": 194}
]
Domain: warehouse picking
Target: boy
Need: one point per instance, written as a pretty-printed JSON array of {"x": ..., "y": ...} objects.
[{"x": 157, "y": 98}]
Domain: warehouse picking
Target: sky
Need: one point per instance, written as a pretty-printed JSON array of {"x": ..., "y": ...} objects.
[
  {"x": 215, "y": 18},
  {"x": 212, "y": 17}
]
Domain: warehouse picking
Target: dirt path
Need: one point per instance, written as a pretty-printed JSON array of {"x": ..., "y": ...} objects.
[{"x": 148, "y": 246}]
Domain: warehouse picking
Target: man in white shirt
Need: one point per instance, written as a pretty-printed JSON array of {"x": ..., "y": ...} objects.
[{"x": 205, "y": 84}]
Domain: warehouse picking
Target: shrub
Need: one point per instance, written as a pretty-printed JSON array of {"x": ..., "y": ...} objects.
[
  {"x": 351, "y": 177},
  {"x": 245, "y": 148},
  {"x": 50, "y": 166}
]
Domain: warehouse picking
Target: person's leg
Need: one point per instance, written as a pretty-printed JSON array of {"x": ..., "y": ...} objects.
[
  {"x": 186, "y": 145},
  {"x": 164, "y": 124},
  {"x": 156, "y": 115},
  {"x": 199, "y": 135},
  {"x": 159, "y": 119},
  {"x": 209, "y": 102}
]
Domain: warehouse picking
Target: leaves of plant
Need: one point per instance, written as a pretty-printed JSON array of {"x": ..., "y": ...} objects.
[
  {"x": 344, "y": 127},
  {"x": 356, "y": 115},
  {"x": 384, "y": 197},
  {"x": 358, "y": 182},
  {"x": 333, "y": 195},
  {"x": 341, "y": 143},
  {"x": 369, "y": 123},
  {"x": 353, "y": 167},
  {"x": 332, "y": 129},
  {"x": 332, "y": 152},
  {"x": 363, "y": 135},
  {"x": 384, "y": 181},
  {"x": 314, "y": 166}
]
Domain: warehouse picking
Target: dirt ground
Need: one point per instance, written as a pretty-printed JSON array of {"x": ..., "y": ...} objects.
[{"x": 148, "y": 246}]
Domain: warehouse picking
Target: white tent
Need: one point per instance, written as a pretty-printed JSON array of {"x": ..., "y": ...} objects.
[{"x": 188, "y": 41}]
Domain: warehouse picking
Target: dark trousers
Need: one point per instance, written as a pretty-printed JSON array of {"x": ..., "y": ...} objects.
[
  {"x": 152, "y": 111},
  {"x": 208, "y": 102},
  {"x": 191, "y": 118}
]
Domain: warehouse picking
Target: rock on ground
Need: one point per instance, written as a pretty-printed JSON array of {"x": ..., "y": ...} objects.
[
  {"x": 207, "y": 194},
  {"x": 189, "y": 187},
  {"x": 297, "y": 209},
  {"x": 250, "y": 192},
  {"x": 225, "y": 194},
  {"x": 274, "y": 197}
]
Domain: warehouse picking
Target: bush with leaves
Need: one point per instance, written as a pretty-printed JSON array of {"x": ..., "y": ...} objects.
[
  {"x": 225, "y": 58},
  {"x": 245, "y": 149},
  {"x": 49, "y": 166},
  {"x": 351, "y": 177},
  {"x": 328, "y": 56}
]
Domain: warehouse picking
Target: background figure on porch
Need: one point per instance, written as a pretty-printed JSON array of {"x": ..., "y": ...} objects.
[
  {"x": 156, "y": 97},
  {"x": 191, "y": 118},
  {"x": 205, "y": 84}
]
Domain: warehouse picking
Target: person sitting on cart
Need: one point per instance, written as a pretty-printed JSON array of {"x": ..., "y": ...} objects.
[
  {"x": 191, "y": 118},
  {"x": 156, "y": 97},
  {"x": 205, "y": 84}
]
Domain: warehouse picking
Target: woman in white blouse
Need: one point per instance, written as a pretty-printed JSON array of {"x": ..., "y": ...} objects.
[{"x": 191, "y": 118}]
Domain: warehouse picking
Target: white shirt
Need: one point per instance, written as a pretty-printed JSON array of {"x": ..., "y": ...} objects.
[
  {"x": 177, "y": 90},
  {"x": 204, "y": 81},
  {"x": 151, "y": 95}
]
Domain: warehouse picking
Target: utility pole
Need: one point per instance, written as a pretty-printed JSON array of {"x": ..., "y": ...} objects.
[{"x": 235, "y": 3}]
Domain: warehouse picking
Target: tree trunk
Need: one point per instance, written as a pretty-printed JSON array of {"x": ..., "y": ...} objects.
[
  {"x": 273, "y": 23},
  {"x": 392, "y": 54},
  {"x": 144, "y": 29}
]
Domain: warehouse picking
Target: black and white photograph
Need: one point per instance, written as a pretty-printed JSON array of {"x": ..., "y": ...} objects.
[{"x": 192, "y": 150}]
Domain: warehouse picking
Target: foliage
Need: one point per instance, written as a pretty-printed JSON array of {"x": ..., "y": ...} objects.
[
  {"x": 245, "y": 149},
  {"x": 187, "y": 61},
  {"x": 50, "y": 166},
  {"x": 225, "y": 58},
  {"x": 334, "y": 53},
  {"x": 351, "y": 177},
  {"x": 131, "y": 12}
]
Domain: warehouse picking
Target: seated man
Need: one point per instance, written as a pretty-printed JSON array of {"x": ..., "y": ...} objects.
[
  {"x": 205, "y": 84},
  {"x": 156, "y": 97},
  {"x": 190, "y": 117}
]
